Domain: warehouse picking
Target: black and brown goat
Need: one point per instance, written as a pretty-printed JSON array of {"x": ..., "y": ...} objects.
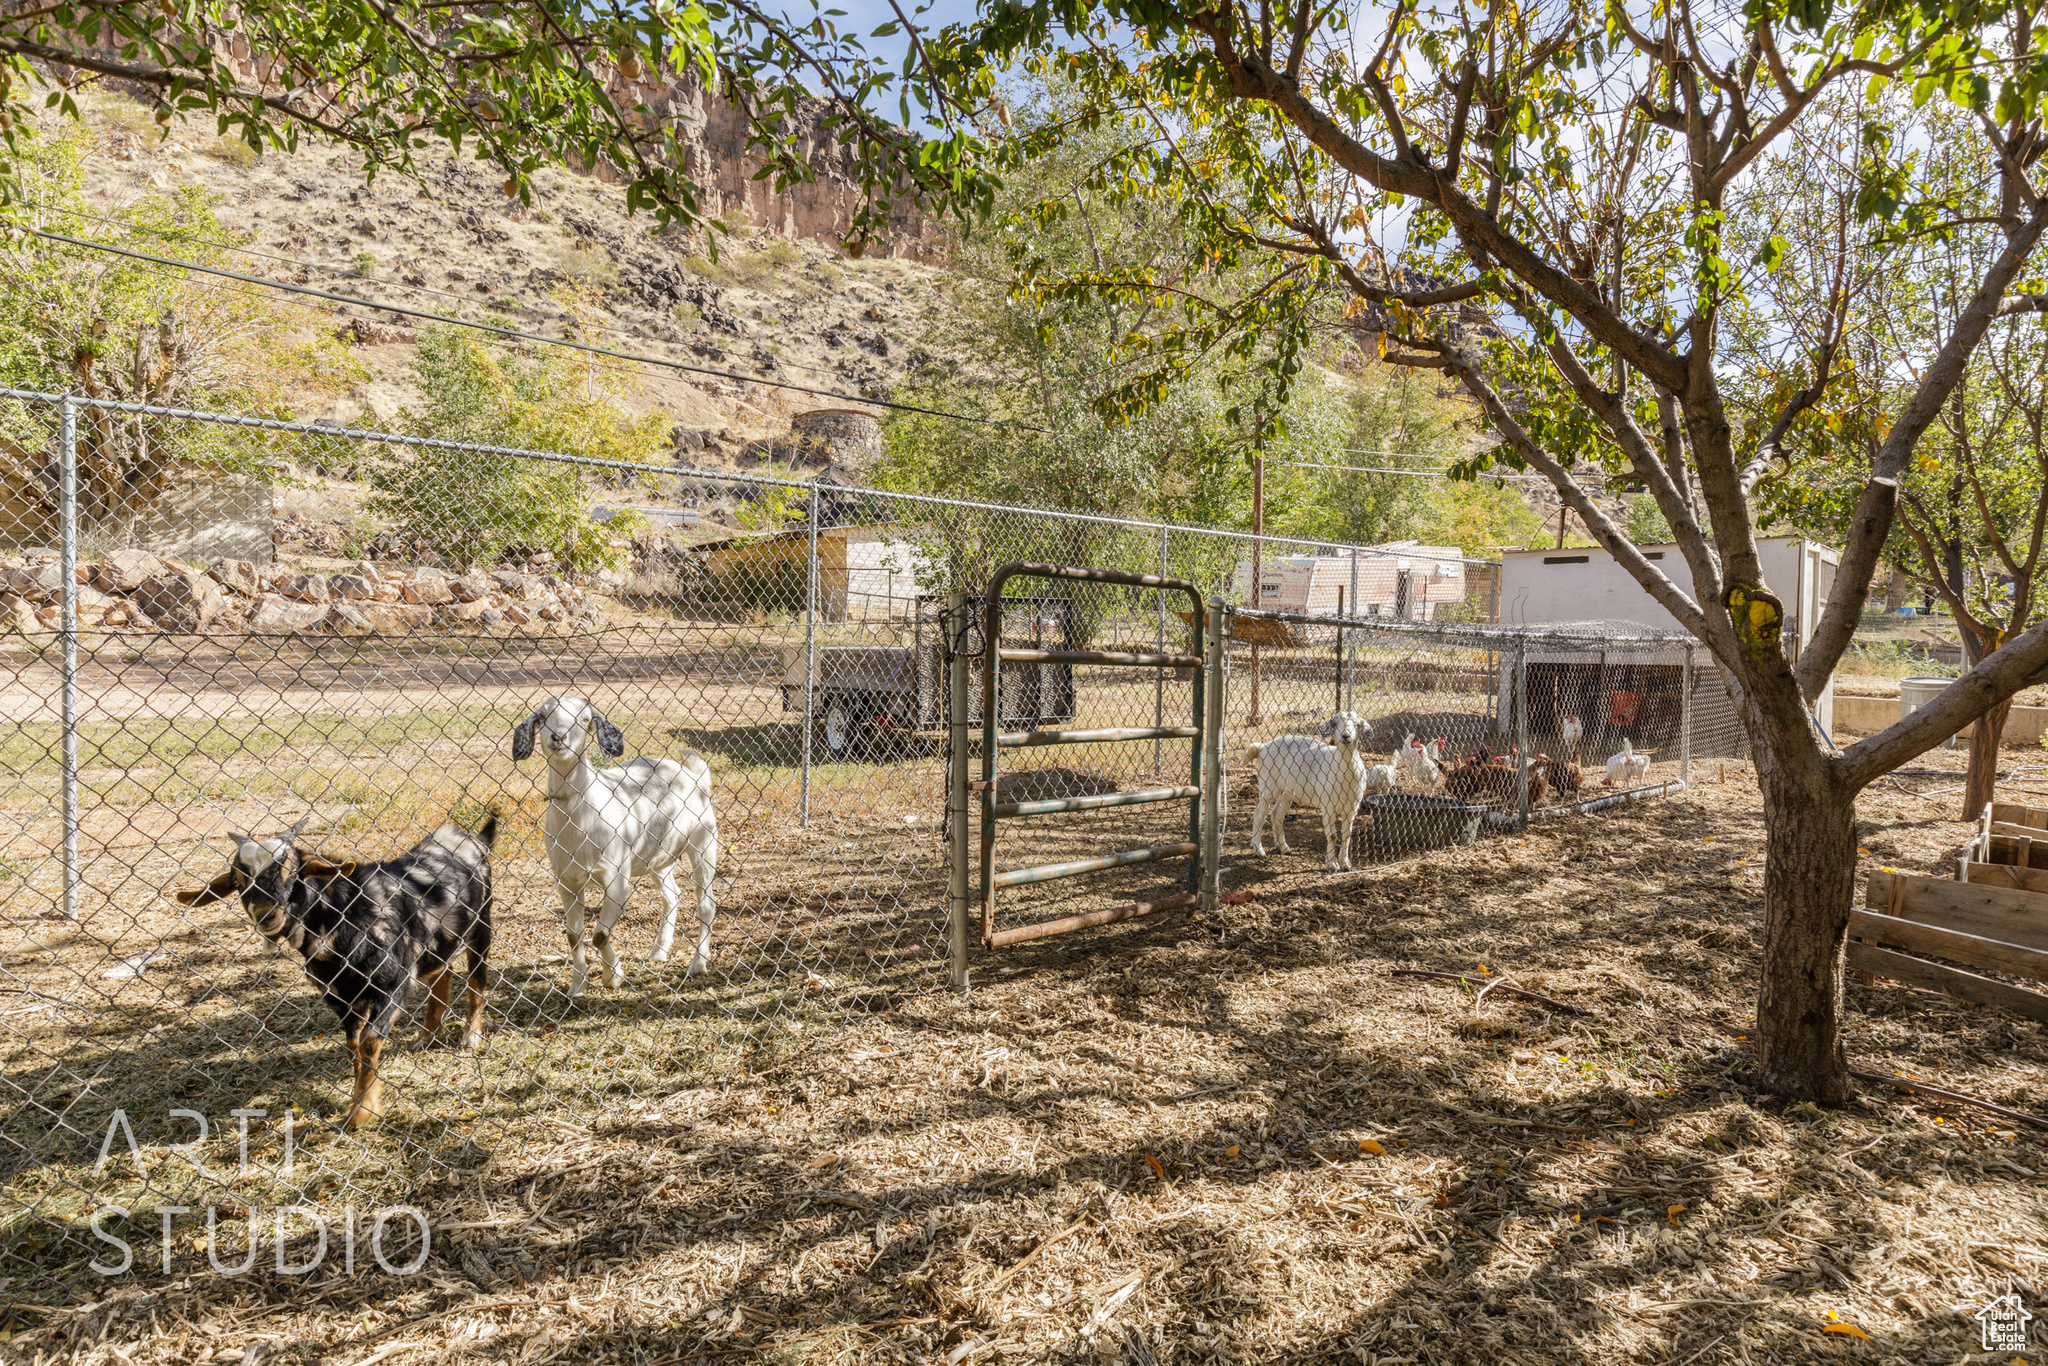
[{"x": 368, "y": 931}]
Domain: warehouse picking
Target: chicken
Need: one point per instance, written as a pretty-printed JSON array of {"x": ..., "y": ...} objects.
[
  {"x": 1468, "y": 778},
  {"x": 1417, "y": 766},
  {"x": 1564, "y": 776},
  {"x": 1627, "y": 766},
  {"x": 1573, "y": 729}
]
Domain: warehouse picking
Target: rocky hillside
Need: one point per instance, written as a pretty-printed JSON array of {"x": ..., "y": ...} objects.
[{"x": 779, "y": 304}]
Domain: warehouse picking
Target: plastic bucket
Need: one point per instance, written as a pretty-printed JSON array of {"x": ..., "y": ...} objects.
[
  {"x": 1405, "y": 820},
  {"x": 1915, "y": 693}
]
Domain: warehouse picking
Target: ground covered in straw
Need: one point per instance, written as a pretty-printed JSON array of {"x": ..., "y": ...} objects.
[{"x": 1244, "y": 1139}]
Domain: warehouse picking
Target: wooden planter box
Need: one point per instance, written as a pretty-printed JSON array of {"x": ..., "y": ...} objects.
[{"x": 1909, "y": 921}]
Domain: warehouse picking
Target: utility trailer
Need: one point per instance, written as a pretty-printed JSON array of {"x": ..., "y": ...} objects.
[{"x": 864, "y": 689}]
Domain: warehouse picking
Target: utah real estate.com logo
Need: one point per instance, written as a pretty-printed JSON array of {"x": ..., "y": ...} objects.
[{"x": 2004, "y": 1323}]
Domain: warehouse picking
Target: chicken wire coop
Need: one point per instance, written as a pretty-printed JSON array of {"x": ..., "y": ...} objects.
[
  {"x": 1468, "y": 730},
  {"x": 173, "y": 682}
]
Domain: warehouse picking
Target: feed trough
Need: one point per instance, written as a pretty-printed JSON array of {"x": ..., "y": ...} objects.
[{"x": 1406, "y": 821}]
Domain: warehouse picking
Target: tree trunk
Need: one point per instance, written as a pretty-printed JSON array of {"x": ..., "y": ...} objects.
[
  {"x": 1982, "y": 778},
  {"x": 1809, "y": 887}
]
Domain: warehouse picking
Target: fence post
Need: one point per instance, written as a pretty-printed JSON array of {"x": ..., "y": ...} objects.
[
  {"x": 1522, "y": 733},
  {"x": 958, "y": 621},
  {"x": 1350, "y": 660},
  {"x": 1212, "y": 761},
  {"x": 67, "y": 530},
  {"x": 1685, "y": 721},
  {"x": 810, "y": 656},
  {"x": 1159, "y": 675}
]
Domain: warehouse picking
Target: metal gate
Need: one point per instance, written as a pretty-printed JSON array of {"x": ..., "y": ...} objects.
[{"x": 995, "y": 710}]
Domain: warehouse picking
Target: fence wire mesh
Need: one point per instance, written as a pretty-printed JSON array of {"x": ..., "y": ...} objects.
[
  {"x": 289, "y": 628},
  {"x": 1415, "y": 735}
]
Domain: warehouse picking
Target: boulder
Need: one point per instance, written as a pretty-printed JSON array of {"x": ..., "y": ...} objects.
[
  {"x": 351, "y": 588},
  {"x": 466, "y": 611},
  {"x": 518, "y": 616},
  {"x": 363, "y": 569},
  {"x": 304, "y": 588},
  {"x": 519, "y": 586},
  {"x": 395, "y": 618},
  {"x": 343, "y": 616},
  {"x": 124, "y": 571},
  {"x": 471, "y": 588},
  {"x": 93, "y": 603},
  {"x": 490, "y": 618},
  {"x": 17, "y": 613},
  {"x": 178, "y": 600},
  {"x": 429, "y": 590},
  {"x": 273, "y": 614},
  {"x": 37, "y": 581},
  {"x": 238, "y": 577}
]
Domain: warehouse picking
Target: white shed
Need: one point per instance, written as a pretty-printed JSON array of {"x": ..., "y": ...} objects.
[{"x": 1578, "y": 588}]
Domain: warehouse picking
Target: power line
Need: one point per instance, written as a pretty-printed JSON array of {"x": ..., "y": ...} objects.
[
  {"x": 1425, "y": 474},
  {"x": 325, "y": 269},
  {"x": 515, "y": 335}
]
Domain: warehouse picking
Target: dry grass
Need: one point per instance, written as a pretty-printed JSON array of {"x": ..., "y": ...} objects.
[{"x": 1145, "y": 1144}]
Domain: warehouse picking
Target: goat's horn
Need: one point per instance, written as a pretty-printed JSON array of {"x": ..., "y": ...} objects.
[{"x": 300, "y": 828}]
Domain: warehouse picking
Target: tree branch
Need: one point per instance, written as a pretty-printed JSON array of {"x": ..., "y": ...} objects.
[
  {"x": 1654, "y": 581},
  {"x": 1997, "y": 677},
  {"x": 1251, "y": 79},
  {"x": 1872, "y": 521},
  {"x": 163, "y": 78}
]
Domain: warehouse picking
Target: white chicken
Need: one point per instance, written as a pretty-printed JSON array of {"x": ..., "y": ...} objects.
[
  {"x": 1573, "y": 729},
  {"x": 1415, "y": 770},
  {"x": 1627, "y": 766}
]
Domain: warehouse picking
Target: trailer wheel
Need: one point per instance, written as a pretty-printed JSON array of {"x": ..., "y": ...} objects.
[{"x": 838, "y": 728}]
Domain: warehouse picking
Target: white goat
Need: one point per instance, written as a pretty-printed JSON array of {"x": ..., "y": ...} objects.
[
  {"x": 1627, "y": 766},
  {"x": 611, "y": 825},
  {"x": 1331, "y": 778},
  {"x": 1419, "y": 767}
]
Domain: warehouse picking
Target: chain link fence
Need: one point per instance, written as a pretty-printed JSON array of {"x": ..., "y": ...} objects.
[
  {"x": 224, "y": 629},
  {"x": 1461, "y": 731}
]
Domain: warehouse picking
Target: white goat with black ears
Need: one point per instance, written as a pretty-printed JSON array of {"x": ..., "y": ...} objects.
[
  {"x": 1332, "y": 778},
  {"x": 611, "y": 825}
]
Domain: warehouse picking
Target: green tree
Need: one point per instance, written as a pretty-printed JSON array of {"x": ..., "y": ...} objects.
[
  {"x": 481, "y": 507},
  {"x": 82, "y": 321},
  {"x": 1973, "y": 499},
  {"x": 1054, "y": 363},
  {"x": 1579, "y": 178}
]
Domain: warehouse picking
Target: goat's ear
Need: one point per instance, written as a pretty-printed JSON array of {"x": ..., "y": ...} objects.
[
  {"x": 320, "y": 867},
  {"x": 522, "y": 737},
  {"x": 610, "y": 738},
  {"x": 222, "y": 887}
]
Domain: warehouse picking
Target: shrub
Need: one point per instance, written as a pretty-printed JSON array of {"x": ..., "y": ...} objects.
[
  {"x": 587, "y": 263},
  {"x": 761, "y": 270},
  {"x": 364, "y": 264},
  {"x": 480, "y": 507},
  {"x": 233, "y": 151}
]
